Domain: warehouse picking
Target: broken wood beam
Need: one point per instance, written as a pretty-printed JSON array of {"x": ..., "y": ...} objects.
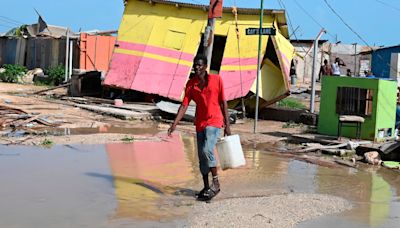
[{"x": 52, "y": 88}]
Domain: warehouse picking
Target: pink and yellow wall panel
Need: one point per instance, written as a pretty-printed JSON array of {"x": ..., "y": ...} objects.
[
  {"x": 149, "y": 69},
  {"x": 158, "y": 42}
]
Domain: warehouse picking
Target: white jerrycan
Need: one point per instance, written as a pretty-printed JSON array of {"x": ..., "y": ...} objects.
[{"x": 230, "y": 152}]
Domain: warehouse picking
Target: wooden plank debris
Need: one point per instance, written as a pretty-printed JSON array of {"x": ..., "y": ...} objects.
[
  {"x": 116, "y": 112},
  {"x": 311, "y": 138},
  {"x": 146, "y": 108},
  {"x": 52, "y": 88},
  {"x": 172, "y": 108},
  {"x": 11, "y": 116}
]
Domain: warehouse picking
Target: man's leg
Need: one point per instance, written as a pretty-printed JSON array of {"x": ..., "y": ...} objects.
[
  {"x": 212, "y": 134},
  {"x": 215, "y": 181},
  {"x": 203, "y": 161}
]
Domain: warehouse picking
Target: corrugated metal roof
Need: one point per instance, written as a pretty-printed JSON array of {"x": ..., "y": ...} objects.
[
  {"x": 250, "y": 11},
  {"x": 306, "y": 41},
  {"x": 279, "y": 14},
  {"x": 387, "y": 47}
]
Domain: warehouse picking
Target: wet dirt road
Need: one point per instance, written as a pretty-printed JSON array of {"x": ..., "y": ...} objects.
[{"x": 151, "y": 182}]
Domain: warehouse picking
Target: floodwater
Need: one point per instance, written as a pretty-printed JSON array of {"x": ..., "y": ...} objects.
[
  {"x": 110, "y": 129},
  {"x": 152, "y": 183}
]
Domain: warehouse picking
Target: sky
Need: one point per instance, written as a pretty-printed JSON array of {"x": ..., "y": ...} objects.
[{"x": 375, "y": 21}]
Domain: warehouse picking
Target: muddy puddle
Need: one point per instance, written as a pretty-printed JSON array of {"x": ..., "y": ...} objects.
[{"x": 152, "y": 183}]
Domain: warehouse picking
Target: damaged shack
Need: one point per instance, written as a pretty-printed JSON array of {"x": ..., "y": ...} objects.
[
  {"x": 36, "y": 46},
  {"x": 158, "y": 40}
]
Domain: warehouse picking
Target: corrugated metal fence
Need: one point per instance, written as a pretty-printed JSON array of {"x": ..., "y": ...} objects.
[
  {"x": 91, "y": 52},
  {"x": 35, "y": 52}
]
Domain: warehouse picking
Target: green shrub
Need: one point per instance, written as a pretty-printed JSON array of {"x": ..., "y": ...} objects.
[
  {"x": 55, "y": 75},
  {"x": 128, "y": 139},
  {"x": 291, "y": 103},
  {"x": 12, "y": 73},
  {"x": 46, "y": 143}
]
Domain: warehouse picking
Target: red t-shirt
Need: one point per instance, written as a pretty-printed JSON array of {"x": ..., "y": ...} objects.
[{"x": 208, "y": 100}]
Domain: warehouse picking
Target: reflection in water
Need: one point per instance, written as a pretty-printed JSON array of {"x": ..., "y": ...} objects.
[
  {"x": 380, "y": 199},
  {"x": 368, "y": 189},
  {"x": 146, "y": 170}
]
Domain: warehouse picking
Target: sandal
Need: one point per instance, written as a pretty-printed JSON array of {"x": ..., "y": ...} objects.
[
  {"x": 208, "y": 194},
  {"x": 201, "y": 193}
]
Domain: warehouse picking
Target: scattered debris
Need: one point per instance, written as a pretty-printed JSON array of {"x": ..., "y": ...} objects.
[
  {"x": 373, "y": 158},
  {"x": 391, "y": 164},
  {"x": 28, "y": 78},
  {"x": 141, "y": 107},
  {"x": 339, "y": 152},
  {"x": 315, "y": 147},
  {"x": 11, "y": 142},
  {"x": 116, "y": 112},
  {"x": 11, "y": 116},
  {"x": 172, "y": 108}
]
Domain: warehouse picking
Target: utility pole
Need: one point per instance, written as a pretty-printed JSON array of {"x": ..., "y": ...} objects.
[
  {"x": 66, "y": 55},
  {"x": 355, "y": 58},
  {"x": 209, "y": 40},
  {"x": 314, "y": 70},
  {"x": 258, "y": 65},
  {"x": 214, "y": 11}
]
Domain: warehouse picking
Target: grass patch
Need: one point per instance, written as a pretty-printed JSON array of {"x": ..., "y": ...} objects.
[
  {"x": 128, "y": 139},
  {"x": 46, "y": 143},
  {"x": 291, "y": 124},
  {"x": 290, "y": 102}
]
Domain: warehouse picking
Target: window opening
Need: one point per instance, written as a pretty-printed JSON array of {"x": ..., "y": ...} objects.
[
  {"x": 354, "y": 101},
  {"x": 218, "y": 51}
]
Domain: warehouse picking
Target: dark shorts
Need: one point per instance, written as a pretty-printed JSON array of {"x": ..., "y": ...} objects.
[{"x": 206, "y": 141}]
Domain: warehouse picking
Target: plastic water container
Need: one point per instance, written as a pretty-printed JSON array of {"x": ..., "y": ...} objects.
[{"x": 230, "y": 152}]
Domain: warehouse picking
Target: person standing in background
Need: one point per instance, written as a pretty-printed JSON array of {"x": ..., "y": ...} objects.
[
  {"x": 348, "y": 73},
  {"x": 336, "y": 66},
  {"x": 324, "y": 70}
]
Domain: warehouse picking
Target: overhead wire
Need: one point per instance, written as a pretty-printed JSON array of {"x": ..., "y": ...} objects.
[
  {"x": 9, "y": 23},
  {"x": 357, "y": 34},
  {"x": 11, "y": 20},
  {"x": 312, "y": 18},
  {"x": 280, "y": 2},
  {"x": 345, "y": 23},
  {"x": 388, "y": 5},
  {"x": 7, "y": 26},
  {"x": 306, "y": 53}
]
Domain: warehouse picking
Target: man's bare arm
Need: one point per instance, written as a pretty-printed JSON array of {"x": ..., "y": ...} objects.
[
  {"x": 224, "y": 110},
  {"x": 179, "y": 115}
]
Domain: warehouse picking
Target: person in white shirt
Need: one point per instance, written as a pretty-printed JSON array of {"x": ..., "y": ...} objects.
[{"x": 336, "y": 66}]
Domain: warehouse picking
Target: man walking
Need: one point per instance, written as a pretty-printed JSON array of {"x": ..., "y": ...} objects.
[{"x": 211, "y": 115}]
